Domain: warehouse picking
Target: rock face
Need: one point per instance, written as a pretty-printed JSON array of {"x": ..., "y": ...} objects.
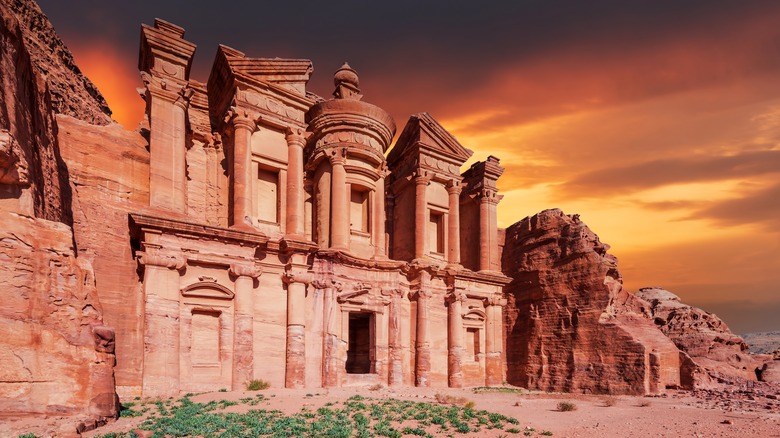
[
  {"x": 703, "y": 336},
  {"x": 570, "y": 325},
  {"x": 70, "y": 92},
  {"x": 56, "y": 355}
]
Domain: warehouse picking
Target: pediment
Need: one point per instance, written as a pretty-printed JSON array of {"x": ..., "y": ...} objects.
[
  {"x": 424, "y": 133},
  {"x": 208, "y": 289}
]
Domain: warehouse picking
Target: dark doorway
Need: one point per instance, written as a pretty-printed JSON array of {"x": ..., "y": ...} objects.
[{"x": 360, "y": 343}]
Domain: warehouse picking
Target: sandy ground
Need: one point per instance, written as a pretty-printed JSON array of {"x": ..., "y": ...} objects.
[{"x": 677, "y": 414}]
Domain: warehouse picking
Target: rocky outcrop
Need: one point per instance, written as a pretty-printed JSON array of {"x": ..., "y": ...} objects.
[
  {"x": 56, "y": 356},
  {"x": 570, "y": 325},
  {"x": 70, "y": 92},
  {"x": 703, "y": 336}
]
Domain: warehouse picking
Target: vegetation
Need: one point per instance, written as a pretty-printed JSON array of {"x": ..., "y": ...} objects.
[
  {"x": 644, "y": 403},
  {"x": 357, "y": 416},
  {"x": 447, "y": 399},
  {"x": 610, "y": 401},
  {"x": 257, "y": 385},
  {"x": 567, "y": 406},
  {"x": 500, "y": 389}
]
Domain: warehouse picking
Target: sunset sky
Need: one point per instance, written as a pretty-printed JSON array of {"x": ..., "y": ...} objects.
[{"x": 657, "y": 121}]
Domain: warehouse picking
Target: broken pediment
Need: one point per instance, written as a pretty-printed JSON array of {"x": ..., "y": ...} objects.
[
  {"x": 423, "y": 135},
  {"x": 208, "y": 289}
]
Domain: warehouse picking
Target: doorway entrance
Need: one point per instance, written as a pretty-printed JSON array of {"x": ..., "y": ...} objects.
[{"x": 360, "y": 352}]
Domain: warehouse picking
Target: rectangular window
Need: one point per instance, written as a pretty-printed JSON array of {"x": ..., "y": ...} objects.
[
  {"x": 267, "y": 195},
  {"x": 358, "y": 210},
  {"x": 205, "y": 337},
  {"x": 436, "y": 232},
  {"x": 472, "y": 344}
]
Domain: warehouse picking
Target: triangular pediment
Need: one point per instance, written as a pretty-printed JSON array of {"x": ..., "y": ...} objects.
[{"x": 423, "y": 133}]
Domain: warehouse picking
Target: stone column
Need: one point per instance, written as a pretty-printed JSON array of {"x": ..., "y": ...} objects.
[
  {"x": 241, "y": 166},
  {"x": 167, "y": 145},
  {"x": 339, "y": 203},
  {"x": 295, "y": 370},
  {"x": 395, "y": 366},
  {"x": 161, "y": 324},
  {"x": 493, "y": 340},
  {"x": 295, "y": 193},
  {"x": 484, "y": 233},
  {"x": 330, "y": 360},
  {"x": 453, "y": 230},
  {"x": 423, "y": 347},
  {"x": 380, "y": 251},
  {"x": 455, "y": 338},
  {"x": 420, "y": 215},
  {"x": 243, "y": 324}
]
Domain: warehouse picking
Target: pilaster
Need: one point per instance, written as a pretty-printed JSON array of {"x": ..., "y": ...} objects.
[
  {"x": 243, "y": 320},
  {"x": 161, "y": 323},
  {"x": 295, "y": 370}
]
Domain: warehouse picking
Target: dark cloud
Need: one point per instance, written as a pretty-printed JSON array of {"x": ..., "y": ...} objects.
[
  {"x": 657, "y": 173},
  {"x": 757, "y": 207}
]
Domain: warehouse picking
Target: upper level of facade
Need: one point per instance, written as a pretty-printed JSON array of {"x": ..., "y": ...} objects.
[{"x": 252, "y": 150}]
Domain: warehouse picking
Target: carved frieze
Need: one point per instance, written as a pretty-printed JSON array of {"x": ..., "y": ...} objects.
[{"x": 269, "y": 104}]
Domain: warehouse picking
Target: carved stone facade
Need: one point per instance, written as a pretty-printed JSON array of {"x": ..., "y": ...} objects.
[{"x": 280, "y": 243}]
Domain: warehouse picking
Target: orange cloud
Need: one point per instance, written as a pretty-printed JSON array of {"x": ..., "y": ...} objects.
[{"x": 117, "y": 78}]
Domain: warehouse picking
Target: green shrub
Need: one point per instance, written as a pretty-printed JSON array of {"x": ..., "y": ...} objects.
[
  {"x": 566, "y": 406},
  {"x": 257, "y": 385}
]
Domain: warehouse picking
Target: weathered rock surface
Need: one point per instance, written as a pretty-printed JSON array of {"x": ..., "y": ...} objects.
[
  {"x": 570, "y": 325},
  {"x": 701, "y": 335},
  {"x": 107, "y": 183},
  {"x": 70, "y": 92},
  {"x": 56, "y": 356}
]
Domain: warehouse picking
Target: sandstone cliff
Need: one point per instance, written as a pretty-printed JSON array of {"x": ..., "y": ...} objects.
[
  {"x": 56, "y": 356},
  {"x": 570, "y": 325},
  {"x": 721, "y": 354}
]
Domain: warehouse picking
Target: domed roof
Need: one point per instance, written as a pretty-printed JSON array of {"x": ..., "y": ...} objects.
[{"x": 347, "y": 75}]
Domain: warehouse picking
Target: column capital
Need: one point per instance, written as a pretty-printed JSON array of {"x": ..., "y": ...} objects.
[
  {"x": 455, "y": 295},
  {"x": 338, "y": 156},
  {"x": 454, "y": 187},
  {"x": 295, "y": 136},
  {"x": 395, "y": 292},
  {"x": 162, "y": 260},
  {"x": 494, "y": 300},
  {"x": 246, "y": 270},
  {"x": 241, "y": 118},
  {"x": 297, "y": 277},
  {"x": 423, "y": 293},
  {"x": 421, "y": 177},
  {"x": 488, "y": 196}
]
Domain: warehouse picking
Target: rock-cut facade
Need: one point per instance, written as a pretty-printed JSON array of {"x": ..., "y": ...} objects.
[{"x": 281, "y": 241}]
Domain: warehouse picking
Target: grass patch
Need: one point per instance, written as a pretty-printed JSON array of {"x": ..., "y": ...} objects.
[
  {"x": 376, "y": 387},
  {"x": 498, "y": 389},
  {"x": 644, "y": 403},
  {"x": 566, "y": 406},
  {"x": 610, "y": 401},
  {"x": 257, "y": 385},
  {"x": 358, "y": 416}
]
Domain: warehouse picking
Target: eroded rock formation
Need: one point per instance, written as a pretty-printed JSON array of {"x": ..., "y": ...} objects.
[
  {"x": 570, "y": 325},
  {"x": 719, "y": 353},
  {"x": 56, "y": 354}
]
